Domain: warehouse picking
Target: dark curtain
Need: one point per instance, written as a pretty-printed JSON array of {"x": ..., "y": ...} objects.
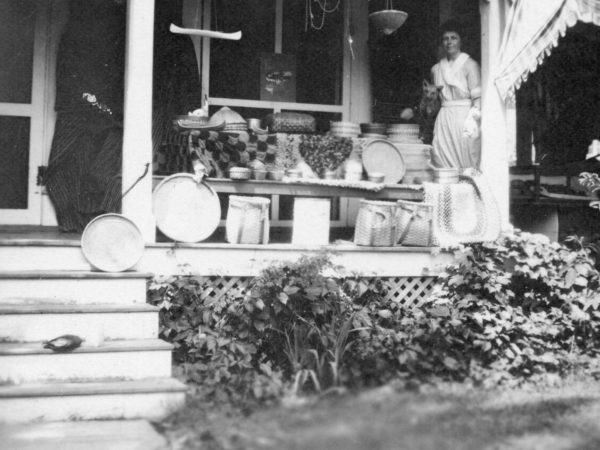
[{"x": 84, "y": 169}]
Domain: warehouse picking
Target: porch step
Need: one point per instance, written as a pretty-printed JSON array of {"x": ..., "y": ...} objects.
[
  {"x": 27, "y": 254},
  {"x": 31, "y": 322},
  {"x": 92, "y": 435},
  {"x": 72, "y": 287},
  {"x": 119, "y": 360},
  {"x": 150, "y": 399}
]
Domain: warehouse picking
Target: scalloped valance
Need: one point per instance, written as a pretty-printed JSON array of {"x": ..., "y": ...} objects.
[{"x": 532, "y": 31}]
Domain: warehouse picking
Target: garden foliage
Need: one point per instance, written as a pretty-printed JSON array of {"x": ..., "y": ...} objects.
[{"x": 503, "y": 311}]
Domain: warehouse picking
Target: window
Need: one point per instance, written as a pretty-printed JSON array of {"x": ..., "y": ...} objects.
[
  {"x": 17, "y": 26},
  {"x": 231, "y": 70}
]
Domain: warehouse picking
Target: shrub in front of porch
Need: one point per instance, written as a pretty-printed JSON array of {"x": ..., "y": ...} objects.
[
  {"x": 290, "y": 330},
  {"x": 501, "y": 313}
]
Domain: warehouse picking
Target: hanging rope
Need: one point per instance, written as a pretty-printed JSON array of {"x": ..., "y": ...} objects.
[{"x": 310, "y": 16}]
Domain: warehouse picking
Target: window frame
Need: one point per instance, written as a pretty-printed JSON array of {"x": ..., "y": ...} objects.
[{"x": 343, "y": 109}]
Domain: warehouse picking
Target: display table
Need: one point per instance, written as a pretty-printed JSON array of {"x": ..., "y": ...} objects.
[{"x": 303, "y": 189}]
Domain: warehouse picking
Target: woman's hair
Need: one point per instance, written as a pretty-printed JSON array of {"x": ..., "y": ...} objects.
[{"x": 452, "y": 25}]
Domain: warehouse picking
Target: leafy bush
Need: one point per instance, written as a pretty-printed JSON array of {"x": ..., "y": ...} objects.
[
  {"x": 294, "y": 325},
  {"x": 502, "y": 312}
]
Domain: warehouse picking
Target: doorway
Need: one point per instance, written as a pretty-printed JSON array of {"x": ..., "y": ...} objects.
[{"x": 23, "y": 94}]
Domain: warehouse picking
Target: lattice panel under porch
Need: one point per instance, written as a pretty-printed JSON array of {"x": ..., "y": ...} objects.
[
  {"x": 217, "y": 287},
  {"x": 409, "y": 291}
]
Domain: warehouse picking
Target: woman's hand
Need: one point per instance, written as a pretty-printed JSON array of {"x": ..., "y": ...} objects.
[{"x": 471, "y": 125}]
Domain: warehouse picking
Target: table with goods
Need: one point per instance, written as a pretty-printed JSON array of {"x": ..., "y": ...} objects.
[{"x": 282, "y": 154}]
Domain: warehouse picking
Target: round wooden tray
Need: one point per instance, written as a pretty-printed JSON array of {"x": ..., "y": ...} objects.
[
  {"x": 186, "y": 211},
  {"x": 381, "y": 156},
  {"x": 112, "y": 243}
]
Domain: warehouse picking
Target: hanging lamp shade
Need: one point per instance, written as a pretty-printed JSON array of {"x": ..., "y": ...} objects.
[{"x": 387, "y": 21}]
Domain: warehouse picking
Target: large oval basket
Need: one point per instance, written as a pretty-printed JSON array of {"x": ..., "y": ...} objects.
[
  {"x": 186, "y": 211},
  {"x": 112, "y": 243}
]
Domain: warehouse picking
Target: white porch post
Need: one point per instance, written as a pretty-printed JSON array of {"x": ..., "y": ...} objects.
[
  {"x": 495, "y": 131},
  {"x": 137, "y": 125},
  {"x": 360, "y": 71}
]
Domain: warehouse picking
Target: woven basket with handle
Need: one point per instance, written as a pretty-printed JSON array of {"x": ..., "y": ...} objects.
[
  {"x": 375, "y": 224},
  {"x": 247, "y": 220},
  {"x": 290, "y": 122},
  {"x": 414, "y": 223}
]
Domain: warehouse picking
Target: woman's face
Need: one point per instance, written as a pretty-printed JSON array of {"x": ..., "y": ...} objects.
[{"x": 451, "y": 43}]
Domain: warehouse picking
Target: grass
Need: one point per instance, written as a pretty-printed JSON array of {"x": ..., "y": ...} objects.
[{"x": 559, "y": 416}]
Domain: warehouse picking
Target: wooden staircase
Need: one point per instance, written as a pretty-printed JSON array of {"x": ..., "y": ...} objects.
[{"x": 121, "y": 371}]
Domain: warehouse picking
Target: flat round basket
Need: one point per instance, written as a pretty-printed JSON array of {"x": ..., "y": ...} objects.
[
  {"x": 112, "y": 243},
  {"x": 186, "y": 211},
  {"x": 381, "y": 156},
  {"x": 183, "y": 123}
]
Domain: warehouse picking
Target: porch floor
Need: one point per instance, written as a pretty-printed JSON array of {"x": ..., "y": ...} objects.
[
  {"x": 48, "y": 249},
  {"x": 38, "y": 234}
]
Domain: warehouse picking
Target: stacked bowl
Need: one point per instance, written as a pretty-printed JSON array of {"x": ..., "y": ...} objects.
[
  {"x": 344, "y": 129},
  {"x": 373, "y": 130},
  {"x": 417, "y": 155},
  {"x": 403, "y": 132}
]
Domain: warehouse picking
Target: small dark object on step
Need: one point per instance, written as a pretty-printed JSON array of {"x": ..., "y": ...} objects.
[{"x": 64, "y": 343}]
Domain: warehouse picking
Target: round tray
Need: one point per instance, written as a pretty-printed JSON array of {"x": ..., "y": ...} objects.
[
  {"x": 381, "y": 156},
  {"x": 112, "y": 243},
  {"x": 186, "y": 211}
]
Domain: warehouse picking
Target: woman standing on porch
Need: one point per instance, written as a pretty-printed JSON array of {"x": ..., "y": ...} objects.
[{"x": 456, "y": 141}]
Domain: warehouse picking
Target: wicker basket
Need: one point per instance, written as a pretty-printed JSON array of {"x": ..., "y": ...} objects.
[
  {"x": 290, "y": 122},
  {"x": 375, "y": 224},
  {"x": 247, "y": 220},
  {"x": 414, "y": 223}
]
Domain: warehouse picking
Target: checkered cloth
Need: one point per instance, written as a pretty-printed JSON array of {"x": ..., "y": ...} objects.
[{"x": 533, "y": 29}]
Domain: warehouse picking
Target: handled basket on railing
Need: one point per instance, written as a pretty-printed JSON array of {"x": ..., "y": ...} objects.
[
  {"x": 247, "y": 220},
  {"x": 375, "y": 224},
  {"x": 290, "y": 122},
  {"x": 414, "y": 223}
]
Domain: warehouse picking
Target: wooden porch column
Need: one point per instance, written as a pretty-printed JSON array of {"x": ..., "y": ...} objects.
[
  {"x": 495, "y": 129},
  {"x": 360, "y": 70},
  {"x": 137, "y": 124}
]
